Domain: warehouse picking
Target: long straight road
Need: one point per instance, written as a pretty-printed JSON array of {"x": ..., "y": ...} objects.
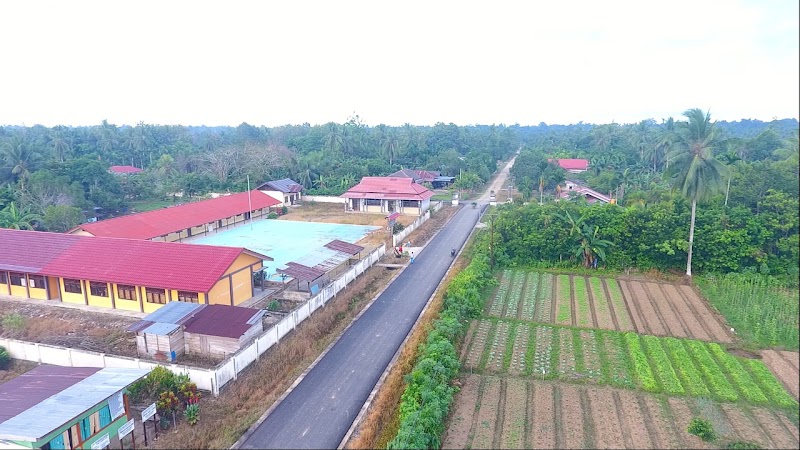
[{"x": 318, "y": 412}]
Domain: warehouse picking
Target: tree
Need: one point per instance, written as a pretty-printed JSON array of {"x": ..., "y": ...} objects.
[
  {"x": 59, "y": 143},
  {"x": 61, "y": 218},
  {"x": 390, "y": 144},
  {"x": 730, "y": 159},
  {"x": 20, "y": 159},
  {"x": 695, "y": 173},
  {"x": 18, "y": 219},
  {"x": 590, "y": 247}
]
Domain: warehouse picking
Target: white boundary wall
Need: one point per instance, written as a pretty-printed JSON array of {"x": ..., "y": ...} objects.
[
  {"x": 323, "y": 199},
  {"x": 414, "y": 225},
  {"x": 206, "y": 379}
]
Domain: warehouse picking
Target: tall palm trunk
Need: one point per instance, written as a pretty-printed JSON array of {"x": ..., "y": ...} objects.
[
  {"x": 728, "y": 190},
  {"x": 691, "y": 240}
]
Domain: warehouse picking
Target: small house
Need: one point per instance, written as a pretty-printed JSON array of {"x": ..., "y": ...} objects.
[
  {"x": 124, "y": 170},
  {"x": 285, "y": 191},
  {"x": 66, "y": 407},
  {"x": 572, "y": 165},
  {"x": 188, "y": 328},
  {"x": 574, "y": 188}
]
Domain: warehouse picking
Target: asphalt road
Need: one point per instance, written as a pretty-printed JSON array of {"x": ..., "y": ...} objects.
[{"x": 321, "y": 408}]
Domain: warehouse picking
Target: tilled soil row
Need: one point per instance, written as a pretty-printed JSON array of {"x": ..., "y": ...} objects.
[
  {"x": 524, "y": 413},
  {"x": 784, "y": 366}
]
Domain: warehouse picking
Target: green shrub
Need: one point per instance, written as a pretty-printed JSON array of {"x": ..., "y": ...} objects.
[
  {"x": 159, "y": 380},
  {"x": 192, "y": 414},
  {"x": 5, "y": 359},
  {"x": 272, "y": 215},
  {"x": 274, "y": 305},
  {"x": 703, "y": 429},
  {"x": 13, "y": 322},
  {"x": 284, "y": 210}
]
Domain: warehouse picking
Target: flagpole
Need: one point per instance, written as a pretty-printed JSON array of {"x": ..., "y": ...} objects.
[{"x": 249, "y": 202}]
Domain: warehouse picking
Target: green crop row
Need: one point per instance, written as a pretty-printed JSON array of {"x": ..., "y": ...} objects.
[
  {"x": 619, "y": 304},
  {"x": 564, "y": 308},
  {"x": 582, "y": 300},
  {"x": 666, "y": 373},
  {"x": 769, "y": 384},
  {"x": 692, "y": 380},
  {"x": 641, "y": 365},
  {"x": 744, "y": 382},
  {"x": 719, "y": 383}
]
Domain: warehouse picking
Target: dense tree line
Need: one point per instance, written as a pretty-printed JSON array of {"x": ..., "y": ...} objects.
[
  {"x": 746, "y": 189},
  {"x": 56, "y": 176}
]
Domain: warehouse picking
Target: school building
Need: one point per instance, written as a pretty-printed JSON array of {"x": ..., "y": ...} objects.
[
  {"x": 180, "y": 222},
  {"x": 135, "y": 275}
]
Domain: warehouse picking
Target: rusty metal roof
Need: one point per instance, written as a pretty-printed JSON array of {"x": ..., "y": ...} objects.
[
  {"x": 344, "y": 247},
  {"x": 301, "y": 272}
]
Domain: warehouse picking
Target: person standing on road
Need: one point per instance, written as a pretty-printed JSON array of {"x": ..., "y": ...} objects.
[{"x": 412, "y": 257}]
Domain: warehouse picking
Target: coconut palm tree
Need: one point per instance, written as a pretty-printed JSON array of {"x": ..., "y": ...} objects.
[
  {"x": 18, "y": 219},
  {"x": 20, "y": 159},
  {"x": 390, "y": 144},
  {"x": 790, "y": 151},
  {"x": 694, "y": 171},
  {"x": 730, "y": 159},
  {"x": 59, "y": 142}
]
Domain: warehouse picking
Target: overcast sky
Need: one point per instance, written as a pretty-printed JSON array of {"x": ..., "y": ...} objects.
[{"x": 289, "y": 62}]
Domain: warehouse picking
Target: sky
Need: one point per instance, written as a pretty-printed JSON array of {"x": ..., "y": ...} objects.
[{"x": 284, "y": 62}]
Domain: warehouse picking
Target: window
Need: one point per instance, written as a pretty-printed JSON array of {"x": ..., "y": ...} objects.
[
  {"x": 410, "y": 203},
  {"x": 126, "y": 292},
  {"x": 3, "y": 278},
  {"x": 37, "y": 281},
  {"x": 98, "y": 289},
  {"x": 189, "y": 297},
  {"x": 17, "y": 279},
  {"x": 156, "y": 296},
  {"x": 73, "y": 286},
  {"x": 372, "y": 202}
]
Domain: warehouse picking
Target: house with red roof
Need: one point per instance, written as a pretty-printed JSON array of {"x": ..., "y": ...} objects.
[
  {"x": 572, "y": 165},
  {"x": 124, "y": 170},
  {"x": 388, "y": 195},
  {"x": 180, "y": 222},
  {"x": 130, "y": 274}
]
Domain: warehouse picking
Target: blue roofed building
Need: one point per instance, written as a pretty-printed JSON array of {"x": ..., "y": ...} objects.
[{"x": 54, "y": 407}]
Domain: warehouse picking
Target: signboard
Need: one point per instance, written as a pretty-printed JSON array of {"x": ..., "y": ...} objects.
[
  {"x": 101, "y": 443},
  {"x": 149, "y": 412},
  {"x": 116, "y": 405},
  {"x": 127, "y": 428}
]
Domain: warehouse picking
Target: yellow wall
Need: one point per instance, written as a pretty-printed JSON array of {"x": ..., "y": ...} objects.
[
  {"x": 198, "y": 230},
  {"x": 19, "y": 291},
  {"x": 220, "y": 293},
  {"x": 95, "y": 300},
  {"x": 38, "y": 293},
  {"x": 128, "y": 305},
  {"x": 242, "y": 289},
  {"x": 374, "y": 208},
  {"x": 69, "y": 297}
]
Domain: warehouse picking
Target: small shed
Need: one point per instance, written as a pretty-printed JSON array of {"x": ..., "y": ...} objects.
[
  {"x": 179, "y": 328},
  {"x": 311, "y": 276},
  {"x": 220, "y": 330}
]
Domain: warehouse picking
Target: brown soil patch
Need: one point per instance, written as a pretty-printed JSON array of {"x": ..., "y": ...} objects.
[
  {"x": 542, "y": 417},
  {"x": 649, "y": 311},
  {"x": 486, "y": 420},
  {"x": 634, "y": 419},
  {"x": 514, "y": 423},
  {"x": 665, "y": 433},
  {"x": 601, "y": 307},
  {"x": 695, "y": 327},
  {"x": 463, "y": 416},
  {"x": 792, "y": 357},
  {"x": 743, "y": 353},
  {"x": 713, "y": 324},
  {"x": 744, "y": 427},
  {"x": 608, "y": 432},
  {"x": 54, "y": 325},
  {"x": 683, "y": 415},
  {"x": 783, "y": 369},
  {"x": 637, "y": 317},
  {"x": 774, "y": 428},
  {"x": 660, "y": 302},
  {"x": 572, "y": 417}
]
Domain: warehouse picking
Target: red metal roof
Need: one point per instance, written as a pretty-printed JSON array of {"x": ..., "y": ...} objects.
[
  {"x": 572, "y": 164},
  {"x": 221, "y": 320},
  {"x": 390, "y": 188},
  {"x": 124, "y": 169},
  {"x": 164, "y": 265},
  {"x": 161, "y": 222},
  {"x": 31, "y": 251}
]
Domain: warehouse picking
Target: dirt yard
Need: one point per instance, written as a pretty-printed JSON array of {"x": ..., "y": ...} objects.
[
  {"x": 50, "y": 324},
  {"x": 15, "y": 368}
]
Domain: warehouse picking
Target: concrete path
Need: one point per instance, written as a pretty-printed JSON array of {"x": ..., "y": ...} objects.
[{"x": 320, "y": 409}]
